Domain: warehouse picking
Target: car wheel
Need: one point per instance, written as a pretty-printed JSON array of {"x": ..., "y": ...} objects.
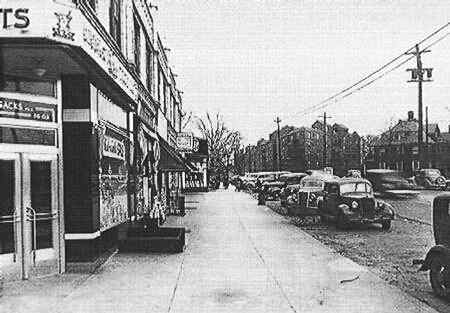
[
  {"x": 440, "y": 276},
  {"x": 342, "y": 222},
  {"x": 386, "y": 225}
]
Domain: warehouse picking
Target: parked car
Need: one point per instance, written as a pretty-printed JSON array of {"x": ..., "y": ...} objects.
[
  {"x": 349, "y": 201},
  {"x": 292, "y": 178},
  {"x": 305, "y": 200},
  {"x": 272, "y": 190},
  {"x": 430, "y": 178},
  {"x": 354, "y": 174},
  {"x": 437, "y": 260},
  {"x": 390, "y": 183}
]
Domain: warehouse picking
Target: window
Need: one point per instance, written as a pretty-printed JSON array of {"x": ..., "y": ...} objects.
[
  {"x": 114, "y": 20},
  {"x": 149, "y": 66},
  {"x": 137, "y": 45},
  {"x": 34, "y": 87}
]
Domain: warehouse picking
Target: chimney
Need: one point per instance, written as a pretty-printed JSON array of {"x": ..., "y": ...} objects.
[{"x": 410, "y": 115}]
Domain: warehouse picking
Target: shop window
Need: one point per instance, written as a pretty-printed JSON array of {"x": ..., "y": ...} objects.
[
  {"x": 114, "y": 20},
  {"x": 27, "y": 136},
  {"x": 137, "y": 45},
  {"x": 34, "y": 87}
]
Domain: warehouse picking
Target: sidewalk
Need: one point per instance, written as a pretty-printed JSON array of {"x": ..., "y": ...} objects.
[{"x": 240, "y": 257}]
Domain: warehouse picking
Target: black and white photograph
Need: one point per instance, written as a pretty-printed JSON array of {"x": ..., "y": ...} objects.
[{"x": 224, "y": 156}]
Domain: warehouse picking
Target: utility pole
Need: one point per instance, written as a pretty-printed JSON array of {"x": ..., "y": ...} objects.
[
  {"x": 324, "y": 154},
  {"x": 278, "y": 121},
  {"x": 417, "y": 76}
]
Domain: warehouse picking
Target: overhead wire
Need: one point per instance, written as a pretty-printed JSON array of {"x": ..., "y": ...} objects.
[{"x": 324, "y": 103}]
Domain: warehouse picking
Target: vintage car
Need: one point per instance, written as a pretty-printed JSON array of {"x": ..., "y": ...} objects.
[
  {"x": 437, "y": 260},
  {"x": 430, "y": 178},
  {"x": 390, "y": 183},
  {"x": 303, "y": 200},
  {"x": 354, "y": 173},
  {"x": 349, "y": 201},
  {"x": 292, "y": 185},
  {"x": 271, "y": 190}
]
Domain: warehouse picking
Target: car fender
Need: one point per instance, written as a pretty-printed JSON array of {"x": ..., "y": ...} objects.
[
  {"x": 345, "y": 209},
  {"x": 435, "y": 251}
]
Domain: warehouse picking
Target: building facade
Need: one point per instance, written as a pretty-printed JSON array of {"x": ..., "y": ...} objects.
[
  {"x": 397, "y": 148},
  {"x": 301, "y": 149},
  {"x": 89, "y": 117}
]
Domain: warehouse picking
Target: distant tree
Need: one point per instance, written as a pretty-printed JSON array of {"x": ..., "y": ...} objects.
[{"x": 222, "y": 144}]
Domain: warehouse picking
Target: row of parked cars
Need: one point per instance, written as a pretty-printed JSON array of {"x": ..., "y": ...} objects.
[
  {"x": 352, "y": 199},
  {"x": 346, "y": 200}
]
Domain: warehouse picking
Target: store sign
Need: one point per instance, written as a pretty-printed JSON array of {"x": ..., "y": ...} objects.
[
  {"x": 27, "y": 110},
  {"x": 113, "y": 148},
  {"x": 14, "y": 18},
  {"x": 186, "y": 142}
]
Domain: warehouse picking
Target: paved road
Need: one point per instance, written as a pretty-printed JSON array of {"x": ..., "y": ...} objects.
[
  {"x": 240, "y": 258},
  {"x": 418, "y": 208}
]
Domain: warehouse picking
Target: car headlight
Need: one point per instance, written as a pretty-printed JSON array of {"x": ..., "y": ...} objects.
[{"x": 354, "y": 204}]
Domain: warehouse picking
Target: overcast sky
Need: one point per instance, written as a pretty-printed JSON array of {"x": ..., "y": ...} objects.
[{"x": 255, "y": 59}]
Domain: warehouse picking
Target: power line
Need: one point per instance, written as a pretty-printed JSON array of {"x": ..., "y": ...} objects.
[{"x": 322, "y": 104}]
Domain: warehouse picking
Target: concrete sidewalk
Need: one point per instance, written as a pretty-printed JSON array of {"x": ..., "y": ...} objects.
[{"x": 240, "y": 257}]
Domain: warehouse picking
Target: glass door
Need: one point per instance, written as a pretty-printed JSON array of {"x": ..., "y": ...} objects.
[
  {"x": 29, "y": 228},
  {"x": 40, "y": 210},
  {"x": 10, "y": 217}
]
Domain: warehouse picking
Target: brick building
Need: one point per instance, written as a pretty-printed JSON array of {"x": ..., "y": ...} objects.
[{"x": 397, "y": 148}]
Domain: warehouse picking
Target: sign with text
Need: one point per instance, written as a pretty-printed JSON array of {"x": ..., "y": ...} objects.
[
  {"x": 186, "y": 142},
  {"x": 113, "y": 148},
  {"x": 27, "y": 110}
]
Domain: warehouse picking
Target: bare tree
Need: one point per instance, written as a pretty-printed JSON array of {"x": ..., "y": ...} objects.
[{"x": 222, "y": 143}]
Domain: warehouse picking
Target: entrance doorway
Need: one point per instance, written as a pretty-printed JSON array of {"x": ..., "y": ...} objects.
[{"x": 29, "y": 232}]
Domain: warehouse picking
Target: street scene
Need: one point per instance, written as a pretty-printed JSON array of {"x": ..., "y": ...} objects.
[{"x": 224, "y": 156}]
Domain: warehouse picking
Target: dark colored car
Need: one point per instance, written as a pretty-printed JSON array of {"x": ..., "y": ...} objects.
[
  {"x": 390, "y": 183},
  {"x": 305, "y": 197},
  {"x": 292, "y": 185},
  {"x": 350, "y": 201},
  {"x": 437, "y": 260},
  {"x": 430, "y": 178},
  {"x": 271, "y": 190}
]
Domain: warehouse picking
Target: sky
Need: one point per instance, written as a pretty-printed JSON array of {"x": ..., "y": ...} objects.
[{"x": 254, "y": 60}]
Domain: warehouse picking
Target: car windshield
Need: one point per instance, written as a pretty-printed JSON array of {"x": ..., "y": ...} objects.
[
  {"x": 392, "y": 178},
  {"x": 312, "y": 183},
  {"x": 432, "y": 173},
  {"x": 355, "y": 187}
]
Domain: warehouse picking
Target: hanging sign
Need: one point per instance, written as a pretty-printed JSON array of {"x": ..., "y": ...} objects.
[
  {"x": 186, "y": 142},
  {"x": 113, "y": 148}
]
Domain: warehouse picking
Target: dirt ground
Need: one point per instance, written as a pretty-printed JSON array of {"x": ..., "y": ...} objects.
[{"x": 388, "y": 254}]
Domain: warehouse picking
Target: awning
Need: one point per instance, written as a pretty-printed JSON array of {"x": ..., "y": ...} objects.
[{"x": 170, "y": 160}]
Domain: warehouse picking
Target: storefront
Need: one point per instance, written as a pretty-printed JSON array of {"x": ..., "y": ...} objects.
[
  {"x": 146, "y": 159},
  {"x": 66, "y": 103},
  {"x": 171, "y": 167},
  {"x": 31, "y": 236},
  {"x": 195, "y": 151}
]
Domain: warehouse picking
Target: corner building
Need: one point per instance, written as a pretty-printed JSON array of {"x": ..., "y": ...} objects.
[{"x": 79, "y": 141}]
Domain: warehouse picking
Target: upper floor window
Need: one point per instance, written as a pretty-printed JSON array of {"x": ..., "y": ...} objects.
[
  {"x": 137, "y": 45},
  {"x": 114, "y": 20}
]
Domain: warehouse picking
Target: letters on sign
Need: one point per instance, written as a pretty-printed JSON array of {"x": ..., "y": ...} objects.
[
  {"x": 16, "y": 18},
  {"x": 113, "y": 148},
  {"x": 27, "y": 110}
]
